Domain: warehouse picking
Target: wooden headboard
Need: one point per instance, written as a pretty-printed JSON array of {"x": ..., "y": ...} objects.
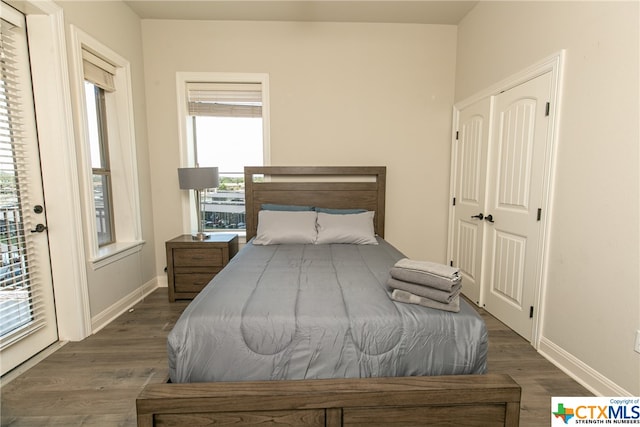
[{"x": 336, "y": 187}]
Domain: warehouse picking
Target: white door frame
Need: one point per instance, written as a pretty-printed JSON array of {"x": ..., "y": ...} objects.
[
  {"x": 50, "y": 75},
  {"x": 555, "y": 65}
]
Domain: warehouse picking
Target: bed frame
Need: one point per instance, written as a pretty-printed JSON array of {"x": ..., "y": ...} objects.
[{"x": 470, "y": 400}]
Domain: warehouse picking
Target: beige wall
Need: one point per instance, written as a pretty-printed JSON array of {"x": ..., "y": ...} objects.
[
  {"x": 592, "y": 305},
  {"x": 114, "y": 282},
  {"x": 381, "y": 94},
  {"x": 341, "y": 94}
]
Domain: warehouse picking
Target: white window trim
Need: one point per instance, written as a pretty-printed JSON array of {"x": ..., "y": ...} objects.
[
  {"x": 126, "y": 198},
  {"x": 186, "y": 150}
]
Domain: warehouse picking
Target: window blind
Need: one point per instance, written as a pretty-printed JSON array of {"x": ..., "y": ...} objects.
[
  {"x": 98, "y": 71},
  {"x": 22, "y": 303},
  {"x": 224, "y": 99}
]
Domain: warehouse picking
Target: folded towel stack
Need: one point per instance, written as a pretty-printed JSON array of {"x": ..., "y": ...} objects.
[{"x": 426, "y": 283}]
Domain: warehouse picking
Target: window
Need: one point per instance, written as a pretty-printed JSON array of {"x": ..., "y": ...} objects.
[
  {"x": 98, "y": 75},
  {"x": 107, "y": 146},
  {"x": 101, "y": 172},
  {"x": 226, "y": 126}
]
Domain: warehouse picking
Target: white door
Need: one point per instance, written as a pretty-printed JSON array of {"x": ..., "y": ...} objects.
[
  {"x": 469, "y": 194},
  {"x": 27, "y": 311},
  {"x": 514, "y": 196}
]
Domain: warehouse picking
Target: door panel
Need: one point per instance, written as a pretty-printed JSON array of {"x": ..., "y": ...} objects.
[
  {"x": 515, "y": 145},
  {"x": 508, "y": 268},
  {"x": 27, "y": 311},
  {"x": 470, "y": 183},
  {"x": 516, "y": 165}
]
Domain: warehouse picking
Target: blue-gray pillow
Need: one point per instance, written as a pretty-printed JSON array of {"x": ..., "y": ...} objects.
[
  {"x": 340, "y": 211},
  {"x": 291, "y": 208}
]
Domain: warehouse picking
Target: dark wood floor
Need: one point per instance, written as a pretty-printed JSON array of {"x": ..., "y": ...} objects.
[{"x": 95, "y": 382}]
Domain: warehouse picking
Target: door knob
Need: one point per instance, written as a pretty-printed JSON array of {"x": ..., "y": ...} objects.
[
  {"x": 479, "y": 216},
  {"x": 39, "y": 228},
  {"x": 489, "y": 218}
]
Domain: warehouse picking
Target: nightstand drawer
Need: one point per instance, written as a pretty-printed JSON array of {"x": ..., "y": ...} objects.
[
  {"x": 191, "y": 264},
  {"x": 198, "y": 257},
  {"x": 192, "y": 282}
]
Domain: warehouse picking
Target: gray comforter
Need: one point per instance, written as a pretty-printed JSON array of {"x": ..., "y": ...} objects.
[{"x": 317, "y": 311}]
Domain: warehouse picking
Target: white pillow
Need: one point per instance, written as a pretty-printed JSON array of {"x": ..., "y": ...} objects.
[
  {"x": 350, "y": 228},
  {"x": 277, "y": 227}
]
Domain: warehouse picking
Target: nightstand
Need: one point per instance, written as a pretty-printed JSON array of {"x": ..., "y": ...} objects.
[{"x": 191, "y": 264}]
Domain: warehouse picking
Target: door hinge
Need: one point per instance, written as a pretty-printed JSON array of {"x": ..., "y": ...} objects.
[
  {"x": 547, "y": 109},
  {"x": 531, "y": 312},
  {"x": 457, "y": 135},
  {"x": 539, "y": 214},
  {"x": 451, "y": 263},
  {"x": 454, "y": 201}
]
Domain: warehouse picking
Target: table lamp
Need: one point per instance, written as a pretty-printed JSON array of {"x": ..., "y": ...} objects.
[{"x": 198, "y": 179}]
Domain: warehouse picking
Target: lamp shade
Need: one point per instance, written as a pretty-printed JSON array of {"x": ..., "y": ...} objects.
[{"x": 198, "y": 178}]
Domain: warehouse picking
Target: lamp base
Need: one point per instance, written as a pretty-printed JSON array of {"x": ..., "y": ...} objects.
[{"x": 200, "y": 236}]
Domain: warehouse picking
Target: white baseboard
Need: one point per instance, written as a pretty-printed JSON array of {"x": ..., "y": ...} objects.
[
  {"x": 102, "y": 319},
  {"x": 163, "y": 282},
  {"x": 588, "y": 377}
]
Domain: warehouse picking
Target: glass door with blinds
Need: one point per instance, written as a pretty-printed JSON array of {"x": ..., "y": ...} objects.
[{"x": 27, "y": 311}]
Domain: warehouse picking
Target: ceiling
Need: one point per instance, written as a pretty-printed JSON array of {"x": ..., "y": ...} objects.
[{"x": 381, "y": 11}]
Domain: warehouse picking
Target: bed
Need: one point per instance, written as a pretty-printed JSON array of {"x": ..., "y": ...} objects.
[{"x": 306, "y": 334}]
